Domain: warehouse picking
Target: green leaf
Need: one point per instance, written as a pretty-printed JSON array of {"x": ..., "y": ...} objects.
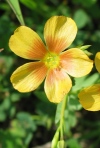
[
  {"x": 29, "y": 3},
  {"x": 41, "y": 95},
  {"x": 17, "y": 129},
  {"x": 85, "y": 3},
  {"x": 81, "y": 18},
  {"x": 26, "y": 121},
  {"x": 73, "y": 143},
  {"x": 58, "y": 112},
  {"x": 85, "y": 81},
  {"x": 70, "y": 120},
  {"x": 15, "y": 97},
  {"x": 14, "y": 4},
  {"x": 74, "y": 103},
  {"x": 84, "y": 47},
  {"x": 10, "y": 140},
  {"x": 88, "y": 53},
  {"x": 2, "y": 116},
  {"x": 90, "y": 80}
]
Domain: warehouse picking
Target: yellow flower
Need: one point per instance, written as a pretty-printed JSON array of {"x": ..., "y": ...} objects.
[
  {"x": 90, "y": 97},
  {"x": 51, "y": 63},
  {"x": 97, "y": 61}
]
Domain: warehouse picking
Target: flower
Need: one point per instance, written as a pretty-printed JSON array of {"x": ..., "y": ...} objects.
[
  {"x": 51, "y": 63},
  {"x": 97, "y": 61},
  {"x": 89, "y": 97}
]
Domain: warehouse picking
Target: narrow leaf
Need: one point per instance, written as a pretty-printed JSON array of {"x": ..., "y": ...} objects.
[
  {"x": 84, "y": 47},
  {"x": 14, "y": 4}
]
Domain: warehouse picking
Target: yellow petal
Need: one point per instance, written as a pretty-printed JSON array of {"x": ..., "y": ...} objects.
[
  {"x": 76, "y": 62},
  {"x": 59, "y": 33},
  {"x": 57, "y": 85},
  {"x": 97, "y": 61},
  {"x": 27, "y": 44},
  {"x": 29, "y": 76},
  {"x": 90, "y": 98}
]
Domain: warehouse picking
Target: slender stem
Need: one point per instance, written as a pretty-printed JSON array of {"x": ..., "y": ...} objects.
[
  {"x": 58, "y": 138},
  {"x": 62, "y": 118}
]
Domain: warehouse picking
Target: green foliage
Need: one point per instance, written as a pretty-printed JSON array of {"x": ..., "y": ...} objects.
[
  {"x": 73, "y": 143},
  {"x": 81, "y": 18},
  {"x": 16, "y": 8},
  {"x": 28, "y": 120}
]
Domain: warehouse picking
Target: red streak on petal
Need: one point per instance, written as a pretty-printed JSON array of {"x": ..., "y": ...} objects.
[
  {"x": 38, "y": 50},
  {"x": 55, "y": 45}
]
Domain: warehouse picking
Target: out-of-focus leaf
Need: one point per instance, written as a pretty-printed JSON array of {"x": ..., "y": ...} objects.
[
  {"x": 15, "y": 97},
  {"x": 81, "y": 18},
  {"x": 90, "y": 80},
  {"x": 10, "y": 140},
  {"x": 28, "y": 125},
  {"x": 2, "y": 116},
  {"x": 41, "y": 95},
  {"x": 6, "y": 103},
  {"x": 73, "y": 103},
  {"x": 85, "y": 3},
  {"x": 26, "y": 121},
  {"x": 58, "y": 112},
  {"x": 37, "y": 6},
  {"x": 85, "y": 81},
  {"x": 70, "y": 120},
  {"x": 29, "y": 3},
  {"x": 17, "y": 129},
  {"x": 73, "y": 143},
  {"x": 4, "y": 6},
  {"x": 47, "y": 109}
]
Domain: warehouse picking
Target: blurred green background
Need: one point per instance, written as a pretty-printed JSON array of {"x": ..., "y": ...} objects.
[{"x": 28, "y": 120}]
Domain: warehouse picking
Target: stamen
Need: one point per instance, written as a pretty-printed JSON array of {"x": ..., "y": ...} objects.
[{"x": 51, "y": 60}]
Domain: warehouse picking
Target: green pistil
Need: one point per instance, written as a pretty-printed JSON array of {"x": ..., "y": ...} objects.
[{"x": 51, "y": 60}]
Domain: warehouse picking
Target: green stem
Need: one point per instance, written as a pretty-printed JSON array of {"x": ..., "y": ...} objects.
[
  {"x": 55, "y": 139},
  {"x": 62, "y": 118},
  {"x": 58, "y": 139}
]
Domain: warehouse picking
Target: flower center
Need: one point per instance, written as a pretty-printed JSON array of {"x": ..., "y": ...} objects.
[{"x": 51, "y": 60}]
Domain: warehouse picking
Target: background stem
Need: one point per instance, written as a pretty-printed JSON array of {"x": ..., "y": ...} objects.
[{"x": 62, "y": 118}]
